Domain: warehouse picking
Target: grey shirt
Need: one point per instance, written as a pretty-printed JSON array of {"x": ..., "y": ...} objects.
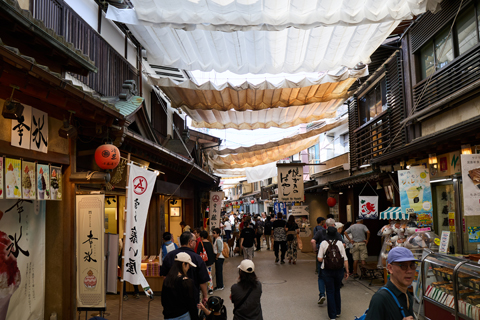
[
  {"x": 357, "y": 232},
  {"x": 251, "y": 309}
]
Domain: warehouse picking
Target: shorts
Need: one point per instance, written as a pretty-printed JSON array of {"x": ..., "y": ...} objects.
[{"x": 359, "y": 251}]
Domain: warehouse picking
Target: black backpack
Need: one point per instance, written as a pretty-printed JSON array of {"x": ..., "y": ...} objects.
[{"x": 332, "y": 258}]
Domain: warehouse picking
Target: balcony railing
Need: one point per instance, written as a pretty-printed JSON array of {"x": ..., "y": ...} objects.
[
  {"x": 458, "y": 74},
  {"x": 372, "y": 138},
  {"x": 113, "y": 69}
]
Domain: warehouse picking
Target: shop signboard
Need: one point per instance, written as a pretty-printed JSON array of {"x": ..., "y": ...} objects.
[
  {"x": 215, "y": 209},
  {"x": 22, "y": 228},
  {"x": 290, "y": 183},
  {"x": 90, "y": 251},
  {"x": 368, "y": 207},
  {"x": 300, "y": 211},
  {"x": 471, "y": 184},
  {"x": 31, "y": 130},
  {"x": 140, "y": 187},
  {"x": 444, "y": 241},
  {"x": 22, "y": 129},
  {"x": 416, "y": 194},
  {"x": 280, "y": 207},
  {"x": 39, "y": 139}
]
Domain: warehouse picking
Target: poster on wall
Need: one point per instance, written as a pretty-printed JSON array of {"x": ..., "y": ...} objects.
[
  {"x": 141, "y": 183},
  {"x": 43, "y": 180},
  {"x": 22, "y": 257},
  {"x": 290, "y": 183},
  {"x": 473, "y": 234},
  {"x": 39, "y": 138},
  {"x": 29, "y": 190},
  {"x": 471, "y": 184},
  {"x": 13, "y": 178},
  {"x": 22, "y": 129},
  {"x": 215, "y": 209},
  {"x": 90, "y": 251},
  {"x": 280, "y": 207},
  {"x": 2, "y": 194},
  {"x": 416, "y": 194},
  {"x": 368, "y": 207},
  {"x": 55, "y": 183}
]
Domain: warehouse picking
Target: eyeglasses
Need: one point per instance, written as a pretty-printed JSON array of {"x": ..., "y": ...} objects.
[{"x": 404, "y": 267}]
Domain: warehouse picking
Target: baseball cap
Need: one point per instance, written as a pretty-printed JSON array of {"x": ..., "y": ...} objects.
[
  {"x": 400, "y": 254},
  {"x": 247, "y": 266},
  {"x": 184, "y": 257}
]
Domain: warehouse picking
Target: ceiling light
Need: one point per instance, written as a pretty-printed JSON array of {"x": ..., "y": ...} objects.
[
  {"x": 466, "y": 149},
  {"x": 12, "y": 109},
  {"x": 379, "y": 186},
  {"x": 67, "y": 130}
]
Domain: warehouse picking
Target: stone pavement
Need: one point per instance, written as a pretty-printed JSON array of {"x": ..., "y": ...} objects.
[{"x": 289, "y": 292}]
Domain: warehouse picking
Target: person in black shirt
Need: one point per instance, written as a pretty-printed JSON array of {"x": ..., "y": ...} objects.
[
  {"x": 279, "y": 237},
  {"x": 247, "y": 240},
  {"x": 292, "y": 231},
  {"x": 178, "y": 290},
  {"x": 211, "y": 257}
]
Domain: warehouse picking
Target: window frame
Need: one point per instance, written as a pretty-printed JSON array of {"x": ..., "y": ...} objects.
[{"x": 367, "y": 91}]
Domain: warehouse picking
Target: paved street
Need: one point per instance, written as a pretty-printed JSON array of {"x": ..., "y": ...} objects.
[{"x": 289, "y": 292}]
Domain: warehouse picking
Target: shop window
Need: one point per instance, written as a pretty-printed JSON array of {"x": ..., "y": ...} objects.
[
  {"x": 442, "y": 49},
  {"x": 345, "y": 140},
  {"x": 373, "y": 102}
]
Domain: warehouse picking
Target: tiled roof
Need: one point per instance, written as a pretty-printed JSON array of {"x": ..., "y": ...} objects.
[
  {"x": 14, "y": 7},
  {"x": 31, "y": 60},
  {"x": 127, "y": 107}
]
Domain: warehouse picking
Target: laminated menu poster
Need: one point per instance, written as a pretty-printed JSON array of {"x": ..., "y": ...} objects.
[
  {"x": 43, "y": 180},
  {"x": 471, "y": 184},
  {"x": 416, "y": 194},
  {"x": 29, "y": 188},
  {"x": 473, "y": 234},
  {"x": 22, "y": 259},
  {"x": 56, "y": 183},
  {"x": 13, "y": 178}
]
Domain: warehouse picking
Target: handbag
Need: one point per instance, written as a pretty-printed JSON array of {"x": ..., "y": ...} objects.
[{"x": 204, "y": 254}]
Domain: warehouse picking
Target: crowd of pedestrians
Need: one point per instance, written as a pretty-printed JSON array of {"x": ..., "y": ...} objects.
[{"x": 192, "y": 269}]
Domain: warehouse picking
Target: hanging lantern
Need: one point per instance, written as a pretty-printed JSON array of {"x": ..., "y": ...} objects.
[
  {"x": 107, "y": 156},
  {"x": 241, "y": 202},
  {"x": 252, "y": 201},
  {"x": 236, "y": 202},
  {"x": 331, "y": 201}
]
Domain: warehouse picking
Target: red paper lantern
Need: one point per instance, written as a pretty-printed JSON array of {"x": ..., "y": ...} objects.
[
  {"x": 252, "y": 201},
  {"x": 241, "y": 202},
  {"x": 331, "y": 201},
  {"x": 236, "y": 202},
  {"x": 107, "y": 156}
]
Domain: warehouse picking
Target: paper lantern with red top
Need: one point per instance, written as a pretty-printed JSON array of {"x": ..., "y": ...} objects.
[
  {"x": 107, "y": 156},
  {"x": 236, "y": 202},
  {"x": 252, "y": 201},
  {"x": 241, "y": 202},
  {"x": 331, "y": 201}
]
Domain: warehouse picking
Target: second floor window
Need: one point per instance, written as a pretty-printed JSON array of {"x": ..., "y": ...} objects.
[
  {"x": 373, "y": 102},
  {"x": 442, "y": 49}
]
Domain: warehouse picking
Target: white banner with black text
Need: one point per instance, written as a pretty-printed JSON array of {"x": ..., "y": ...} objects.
[{"x": 215, "y": 209}]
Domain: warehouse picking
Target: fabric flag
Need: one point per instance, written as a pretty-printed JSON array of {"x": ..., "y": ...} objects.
[
  {"x": 140, "y": 188},
  {"x": 215, "y": 209},
  {"x": 368, "y": 207}
]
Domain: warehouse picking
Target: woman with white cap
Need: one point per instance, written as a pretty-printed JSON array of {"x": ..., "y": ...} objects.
[
  {"x": 246, "y": 293},
  {"x": 177, "y": 291}
]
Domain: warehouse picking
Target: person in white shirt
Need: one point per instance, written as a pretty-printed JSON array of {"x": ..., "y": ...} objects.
[
  {"x": 228, "y": 229},
  {"x": 217, "y": 249},
  {"x": 333, "y": 261}
]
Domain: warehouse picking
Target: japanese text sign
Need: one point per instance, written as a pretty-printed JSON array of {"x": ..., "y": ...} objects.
[
  {"x": 471, "y": 184},
  {"x": 30, "y": 131},
  {"x": 416, "y": 194},
  {"x": 290, "y": 183},
  {"x": 90, "y": 251},
  {"x": 140, "y": 187},
  {"x": 215, "y": 209}
]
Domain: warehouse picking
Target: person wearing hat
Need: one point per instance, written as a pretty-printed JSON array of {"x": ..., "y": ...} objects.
[
  {"x": 401, "y": 264},
  {"x": 246, "y": 293},
  {"x": 359, "y": 236},
  {"x": 178, "y": 290}
]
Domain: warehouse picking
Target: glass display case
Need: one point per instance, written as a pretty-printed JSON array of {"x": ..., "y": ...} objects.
[{"x": 450, "y": 287}]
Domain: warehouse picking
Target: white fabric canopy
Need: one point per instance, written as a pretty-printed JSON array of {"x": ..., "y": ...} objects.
[
  {"x": 261, "y": 172},
  {"x": 240, "y": 15},
  {"x": 289, "y": 50},
  {"x": 267, "y": 118}
]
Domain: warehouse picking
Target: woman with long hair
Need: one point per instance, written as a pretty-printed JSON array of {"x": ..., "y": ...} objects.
[
  {"x": 292, "y": 230},
  {"x": 177, "y": 291},
  {"x": 246, "y": 293},
  {"x": 206, "y": 245}
]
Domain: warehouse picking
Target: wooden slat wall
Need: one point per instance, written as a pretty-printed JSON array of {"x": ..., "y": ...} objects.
[
  {"x": 396, "y": 101},
  {"x": 352, "y": 125},
  {"x": 155, "y": 226},
  {"x": 429, "y": 24},
  {"x": 178, "y": 122},
  {"x": 159, "y": 117}
]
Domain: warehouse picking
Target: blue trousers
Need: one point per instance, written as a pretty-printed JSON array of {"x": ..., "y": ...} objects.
[
  {"x": 321, "y": 282},
  {"x": 333, "y": 281}
]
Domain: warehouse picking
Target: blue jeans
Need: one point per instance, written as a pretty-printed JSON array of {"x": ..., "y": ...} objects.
[
  {"x": 333, "y": 281},
  {"x": 185, "y": 316},
  {"x": 219, "y": 272},
  {"x": 321, "y": 282}
]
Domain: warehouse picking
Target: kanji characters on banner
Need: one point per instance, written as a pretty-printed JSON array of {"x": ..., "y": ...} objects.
[{"x": 215, "y": 209}]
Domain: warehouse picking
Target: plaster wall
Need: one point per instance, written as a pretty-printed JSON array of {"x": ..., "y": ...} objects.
[
  {"x": 87, "y": 9},
  {"x": 451, "y": 117},
  {"x": 24, "y": 4}
]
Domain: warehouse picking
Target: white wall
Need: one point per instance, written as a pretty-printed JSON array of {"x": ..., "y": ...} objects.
[{"x": 87, "y": 9}]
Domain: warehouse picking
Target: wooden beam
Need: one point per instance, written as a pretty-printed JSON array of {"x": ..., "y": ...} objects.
[{"x": 26, "y": 154}]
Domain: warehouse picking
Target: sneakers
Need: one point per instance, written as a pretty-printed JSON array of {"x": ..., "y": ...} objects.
[
  {"x": 137, "y": 296},
  {"x": 210, "y": 292},
  {"x": 218, "y": 288},
  {"x": 276, "y": 260},
  {"x": 125, "y": 298},
  {"x": 321, "y": 300},
  {"x": 282, "y": 262}
]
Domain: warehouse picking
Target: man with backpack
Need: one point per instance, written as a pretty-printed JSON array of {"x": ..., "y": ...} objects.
[
  {"x": 394, "y": 302},
  {"x": 331, "y": 254}
]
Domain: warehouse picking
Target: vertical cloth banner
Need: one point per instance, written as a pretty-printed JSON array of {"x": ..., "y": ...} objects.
[
  {"x": 90, "y": 251},
  {"x": 471, "y": 184},
  {"x": 368, "y": 207},
  {"x": 22, "y": 257},
  {"x": 416, "y": 194},
  {"x": 140, "y": 187},
  {"x": 215, "y": 209},
  {"x": 290, "y": 183}
]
